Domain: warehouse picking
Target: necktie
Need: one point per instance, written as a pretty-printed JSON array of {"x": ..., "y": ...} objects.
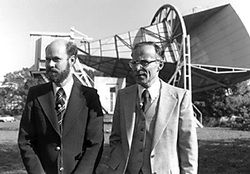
[
  {"x": 145, "y": 99},
  {"x": 60, "y": 105}
]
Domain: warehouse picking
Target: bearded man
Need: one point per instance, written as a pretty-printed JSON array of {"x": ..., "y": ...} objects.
[{"x": 61, "y": 126}]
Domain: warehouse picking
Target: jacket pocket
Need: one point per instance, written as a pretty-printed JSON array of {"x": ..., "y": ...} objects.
[
  {"x": 113, "y": 163},
  {"x": 115, "y": 159}
]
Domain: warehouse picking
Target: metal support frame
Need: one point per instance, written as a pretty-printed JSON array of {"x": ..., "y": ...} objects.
[
  {"x": 211, "y": 79},
  {"x": 187, "y": 64},
  {"x": 219, "y": 69},
  {"x": 124, "y": 42},
  {"x": 167, "y": 29},
  {"x": 81, "y": 74}
]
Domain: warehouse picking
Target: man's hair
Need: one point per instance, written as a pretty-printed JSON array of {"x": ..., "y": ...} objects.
[
  {"x": 159, "y": 51},
  {"x": 71, "y": 49}
]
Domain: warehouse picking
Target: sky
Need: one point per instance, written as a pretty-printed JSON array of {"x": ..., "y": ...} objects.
[{"x": 95, "y": 18}]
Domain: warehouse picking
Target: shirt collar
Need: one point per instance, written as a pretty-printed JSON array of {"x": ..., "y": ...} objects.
[{"x": 153, "y": 90}]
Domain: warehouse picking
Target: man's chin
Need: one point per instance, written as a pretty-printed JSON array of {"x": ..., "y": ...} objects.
[
  {"x": 54, "y": 78},
  {"x": 141, "y": 81}
]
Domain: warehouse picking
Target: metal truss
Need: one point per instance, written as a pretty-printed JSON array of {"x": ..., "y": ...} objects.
[
  {"x": 167, "y": 29},
  {"x": 219, "y": 69}
]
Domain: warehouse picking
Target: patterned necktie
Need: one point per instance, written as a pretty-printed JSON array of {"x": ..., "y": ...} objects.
[
  {"x": 60, "y": 105},
  {"x": 145, "y": 99}
]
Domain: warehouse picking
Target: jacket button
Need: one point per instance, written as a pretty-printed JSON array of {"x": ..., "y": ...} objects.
[
  {"x": 61, "y": 169},
  {"x": 58, "y": 148}
]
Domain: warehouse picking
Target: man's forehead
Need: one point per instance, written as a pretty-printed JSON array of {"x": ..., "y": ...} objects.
[
  {"x": 144, "y": 50},
  {"x": 57, "y": 46},
  {"x": 58, "y": 43}
]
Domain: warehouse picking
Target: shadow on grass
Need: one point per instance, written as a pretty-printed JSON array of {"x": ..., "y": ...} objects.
[
  {"x": 10, "y": 160},
  {"x": 224, "y": 157}
]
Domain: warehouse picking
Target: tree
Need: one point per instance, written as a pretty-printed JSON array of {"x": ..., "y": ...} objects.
[
  {"x": 239, "y": 100},
  {"x": 14, "y": 91},
  {"x": 214, "y": 100},
  {"x": 221, "y": 102}
]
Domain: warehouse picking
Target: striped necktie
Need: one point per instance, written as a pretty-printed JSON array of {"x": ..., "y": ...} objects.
[
  {"x": 60, "y": 105},
  {"x": 145, "y": 100}
]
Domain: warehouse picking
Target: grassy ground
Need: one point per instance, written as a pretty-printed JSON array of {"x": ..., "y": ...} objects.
[
  {"x": 10, "y": 161},
  {"x": 221, "y": 151}
]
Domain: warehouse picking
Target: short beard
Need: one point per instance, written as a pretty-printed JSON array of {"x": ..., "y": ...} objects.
[{"x": 56, "y": 77}]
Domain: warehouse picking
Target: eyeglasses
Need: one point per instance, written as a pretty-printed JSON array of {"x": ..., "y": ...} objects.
[{"x": 144, "y": 63}]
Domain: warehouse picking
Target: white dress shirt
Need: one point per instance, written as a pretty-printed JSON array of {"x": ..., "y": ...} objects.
[
  {"x": 67, "y": 89},
  {"x": 154, "y": 90}
]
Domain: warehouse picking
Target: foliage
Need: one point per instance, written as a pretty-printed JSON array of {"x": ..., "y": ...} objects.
[
  {"x": 14, "y": 90},
  {"x": 233, "y": 102},
  {"x": 239, "y": 100},
  {"x": 214, "y": 102}
]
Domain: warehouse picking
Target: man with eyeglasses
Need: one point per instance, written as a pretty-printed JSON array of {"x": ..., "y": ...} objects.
[
  {"x": 153, "y": 127},
  {"x": 61, "y": 126}
]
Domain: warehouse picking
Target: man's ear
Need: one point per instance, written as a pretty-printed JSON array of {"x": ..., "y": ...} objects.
[
  {"x": 161, "y": 65},
  {"x": 72, "y": 59}
]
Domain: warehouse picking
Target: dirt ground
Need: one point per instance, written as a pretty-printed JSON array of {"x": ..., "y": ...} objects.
[{"x": 221, "y": 150}]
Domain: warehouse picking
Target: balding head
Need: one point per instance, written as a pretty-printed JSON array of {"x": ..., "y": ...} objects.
[{"x": 69, "y": 47}]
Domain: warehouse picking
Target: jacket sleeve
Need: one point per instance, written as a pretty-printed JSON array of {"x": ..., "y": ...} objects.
[
  {"x": 116, "y": 153},
  {"x": 93, "y": 145},
  {"x": 27, "y": 138},
  {"x": 187, "y": 140}
]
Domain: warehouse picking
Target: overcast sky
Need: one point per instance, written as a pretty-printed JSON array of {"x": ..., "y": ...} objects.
[{"x": 95, "y": 18}]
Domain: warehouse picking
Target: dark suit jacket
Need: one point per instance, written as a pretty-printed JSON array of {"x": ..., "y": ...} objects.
[{"x": 79, "y": 146}]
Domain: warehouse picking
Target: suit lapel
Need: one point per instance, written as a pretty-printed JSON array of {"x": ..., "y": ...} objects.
[
  {"x": 47, "y": 103},
  {"x": 130, "y": 99},
  {"x": 75, "y": 108},
  {"x": 167, "y": 104}
]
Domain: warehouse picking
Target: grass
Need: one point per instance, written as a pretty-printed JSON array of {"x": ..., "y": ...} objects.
[
  {"x": 10, "y": 160},
  {"x": 221, "y": 150}
]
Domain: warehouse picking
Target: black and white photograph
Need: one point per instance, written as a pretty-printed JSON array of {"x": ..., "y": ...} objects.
[{"x": 125, "y": 87}]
